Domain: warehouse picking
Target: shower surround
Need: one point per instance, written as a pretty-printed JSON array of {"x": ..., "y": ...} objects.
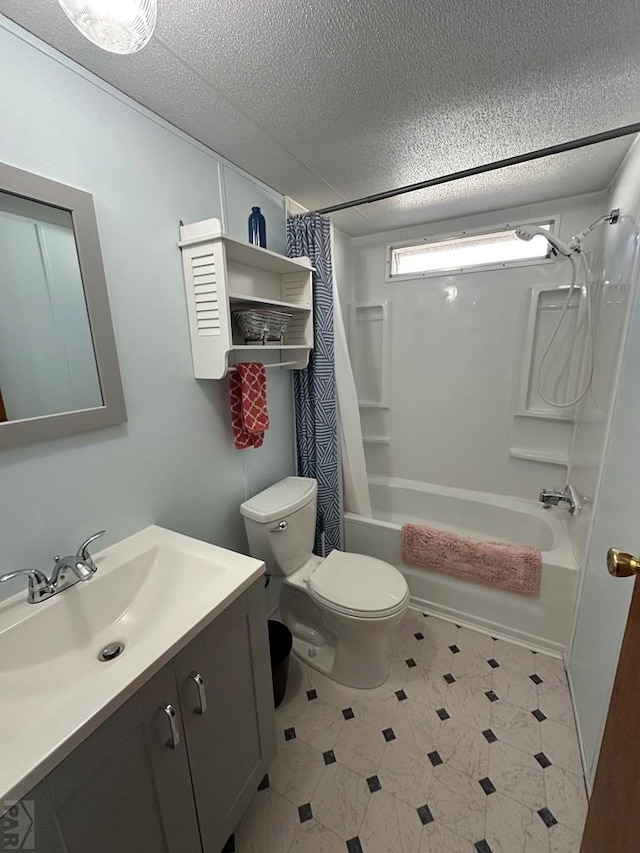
[
  {"x": 440, "y": 361},
  {"x": 448, "y": 411}
]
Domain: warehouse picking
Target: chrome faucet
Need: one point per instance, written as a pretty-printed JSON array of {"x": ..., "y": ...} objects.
[
  {"x": 567, "y": 498},
  {"x": 67, "y": 571}
]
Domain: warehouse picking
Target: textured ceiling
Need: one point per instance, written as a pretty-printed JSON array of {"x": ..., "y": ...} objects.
[{"x": 331, "y": 100}]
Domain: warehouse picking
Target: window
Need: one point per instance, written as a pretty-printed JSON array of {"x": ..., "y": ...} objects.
[{"x": 499, "y": 248}]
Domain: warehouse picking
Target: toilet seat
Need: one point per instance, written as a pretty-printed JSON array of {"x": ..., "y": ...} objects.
[{"x": 357, "y": 585}]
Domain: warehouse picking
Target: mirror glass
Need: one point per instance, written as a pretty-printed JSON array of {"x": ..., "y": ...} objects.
[
  {"x": 47, "y": 359},
  {"x": 59, "y": 371}
]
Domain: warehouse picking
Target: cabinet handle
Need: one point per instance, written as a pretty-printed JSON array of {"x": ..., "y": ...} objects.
[
  {"x": 174, "y": 739},
  {"x": 198, "y": 680}
]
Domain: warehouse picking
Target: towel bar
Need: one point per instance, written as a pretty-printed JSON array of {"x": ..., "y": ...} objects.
[{"x": 269, "y": 366}]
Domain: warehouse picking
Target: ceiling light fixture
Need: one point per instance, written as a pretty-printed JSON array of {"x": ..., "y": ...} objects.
[{"x": 119, "y": 26}]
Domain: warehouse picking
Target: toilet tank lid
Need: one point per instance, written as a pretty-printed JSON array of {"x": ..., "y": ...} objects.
[{"x": 281, "y": 499}]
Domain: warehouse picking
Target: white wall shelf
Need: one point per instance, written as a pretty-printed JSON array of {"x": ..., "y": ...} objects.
[
  {"x": 240, "y": 299},
  {"x": 222, "y": 275}
]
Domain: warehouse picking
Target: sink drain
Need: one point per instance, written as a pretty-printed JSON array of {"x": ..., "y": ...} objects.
[{"x": 110, "y": 652}]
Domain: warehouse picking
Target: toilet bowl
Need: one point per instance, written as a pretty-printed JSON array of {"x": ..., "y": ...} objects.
[{"x": 340, "y": 609}]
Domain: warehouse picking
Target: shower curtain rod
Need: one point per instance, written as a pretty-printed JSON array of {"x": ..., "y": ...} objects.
[{"x": 583, "y": 142}]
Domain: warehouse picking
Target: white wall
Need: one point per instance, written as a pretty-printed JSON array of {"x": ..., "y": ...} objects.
[
  {"x": 455, "y": 364},
  {"x": 173, "y": 463},
  {"x": 604, "y": 603}
]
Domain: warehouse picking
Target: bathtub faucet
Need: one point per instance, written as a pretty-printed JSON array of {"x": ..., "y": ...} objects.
[{"x": 567, "y": 497}]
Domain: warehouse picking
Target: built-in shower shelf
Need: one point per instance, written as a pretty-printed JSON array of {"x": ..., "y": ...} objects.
[
  {"x": 558, "y": 415},
  {"x": 370, "y": 351},
  {"x": 539, "y": 456},
  {"x": 545, "y": 308},
  {"x": 376, "y": 439},
  {"x": 222, "y": 275}
]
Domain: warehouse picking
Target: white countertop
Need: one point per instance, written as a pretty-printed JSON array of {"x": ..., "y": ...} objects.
[{"x": 154, "y": 591}]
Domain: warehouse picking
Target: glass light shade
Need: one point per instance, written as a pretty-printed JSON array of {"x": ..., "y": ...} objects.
[{"x": 119, "y": 26}]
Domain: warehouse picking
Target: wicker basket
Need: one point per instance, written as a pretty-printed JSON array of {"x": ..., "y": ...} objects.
[{"x": 263, "y": 326}]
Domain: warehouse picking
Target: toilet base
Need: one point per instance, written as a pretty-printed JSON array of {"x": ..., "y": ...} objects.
[
  {"x": 350, "y": 650},
  {"x": 320, "y": 658}
]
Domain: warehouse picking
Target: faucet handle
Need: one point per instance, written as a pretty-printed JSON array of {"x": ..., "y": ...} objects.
[
  {"x": 39, "y": 584},
  {"x": 83, "y": 551}
]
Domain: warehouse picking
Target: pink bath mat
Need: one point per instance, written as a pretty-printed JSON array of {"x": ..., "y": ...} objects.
[{"x": 515, "y": 568}]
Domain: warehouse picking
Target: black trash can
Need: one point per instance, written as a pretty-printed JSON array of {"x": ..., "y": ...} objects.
[{"x": 280, "y": 643}]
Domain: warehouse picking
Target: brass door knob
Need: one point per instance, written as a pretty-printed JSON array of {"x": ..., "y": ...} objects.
[{"x": 621, "y": 564}]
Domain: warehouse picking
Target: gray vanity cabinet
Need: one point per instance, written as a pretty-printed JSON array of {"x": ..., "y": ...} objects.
[
  {"x": 232, "y": 740},
  {"x": 137, "y": 785},
  {"x": 124, "y": 790}
]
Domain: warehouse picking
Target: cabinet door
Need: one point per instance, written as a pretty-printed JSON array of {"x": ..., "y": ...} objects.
[
  {"x": 232, "y": 742},
  {"x": 31, "y": 824},
  {"x": 123, "y": 790},
  {"x": 170, "y": 763}
]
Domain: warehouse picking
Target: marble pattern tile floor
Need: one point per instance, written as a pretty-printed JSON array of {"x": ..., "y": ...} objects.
[{"x": 469, "y": 747}]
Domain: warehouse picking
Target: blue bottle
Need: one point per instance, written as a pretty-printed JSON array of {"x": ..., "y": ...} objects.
[{"x": 257, "y": 228}]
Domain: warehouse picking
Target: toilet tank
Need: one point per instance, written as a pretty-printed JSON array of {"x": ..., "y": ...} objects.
[{"x": 281, "y": 524}]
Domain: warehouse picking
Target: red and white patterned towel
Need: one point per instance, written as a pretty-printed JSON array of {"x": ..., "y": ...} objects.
[
  {"x": 248, "y": 399},
  {"x": 253, "y": 377}
]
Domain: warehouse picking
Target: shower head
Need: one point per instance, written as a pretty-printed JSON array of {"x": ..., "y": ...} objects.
[{"x": 532, "y": 231}]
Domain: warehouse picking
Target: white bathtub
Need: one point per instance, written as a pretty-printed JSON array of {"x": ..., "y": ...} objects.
[{"x": 543, "y": 622}]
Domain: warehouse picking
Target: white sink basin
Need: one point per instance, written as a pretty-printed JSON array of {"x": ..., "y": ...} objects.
[
  {"x": 123, "y": 601},
  {"x": 153, "y": 592}
]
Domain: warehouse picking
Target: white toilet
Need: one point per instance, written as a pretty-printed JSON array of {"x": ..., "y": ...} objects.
[{"x": 341, "y": 609}]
